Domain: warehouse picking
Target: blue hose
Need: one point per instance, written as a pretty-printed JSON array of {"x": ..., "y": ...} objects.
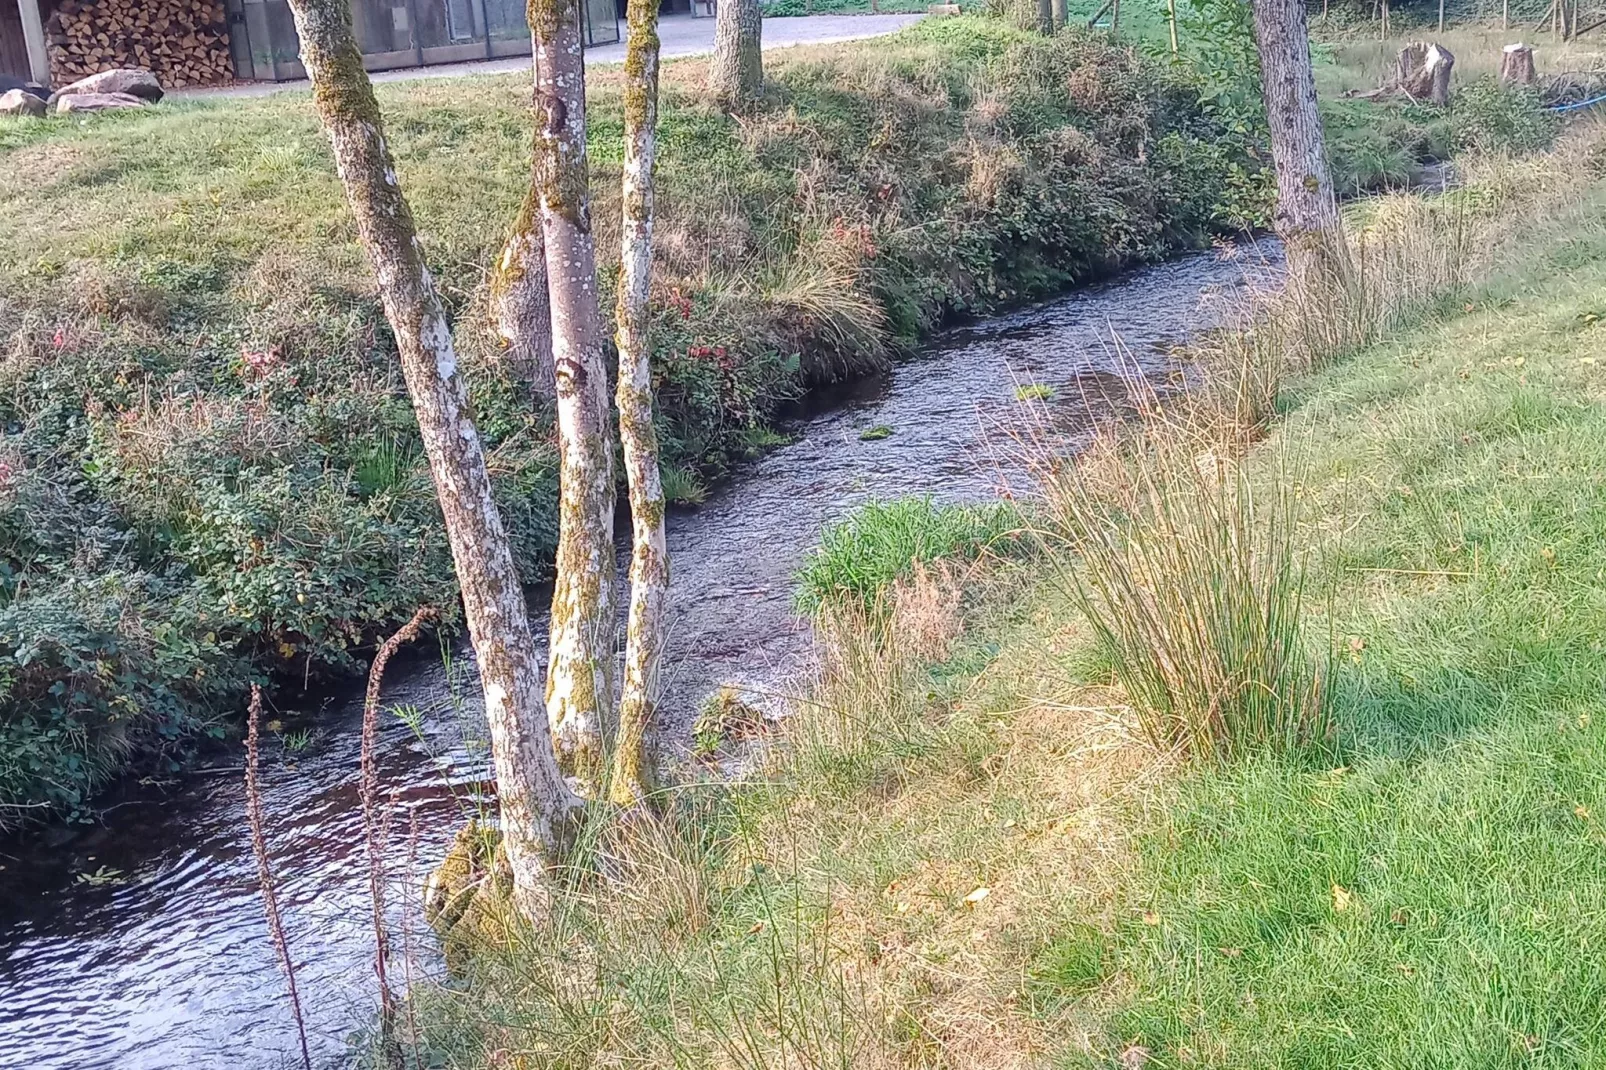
[{"x": 1580, "y": 104}]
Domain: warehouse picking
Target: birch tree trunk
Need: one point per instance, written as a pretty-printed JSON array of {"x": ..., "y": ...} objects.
[
  {"x": 1307, "y": 211},
  {"x": 579, "y": 690},
  {"x": 519, "y": 308},
  {"x": 736, "y": 73},
  {"x": 632, "y": 775},
  {"x": 537, "y": 807}
]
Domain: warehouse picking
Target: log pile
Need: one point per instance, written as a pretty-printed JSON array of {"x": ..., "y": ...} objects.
[{"x": 182, "y": 42}]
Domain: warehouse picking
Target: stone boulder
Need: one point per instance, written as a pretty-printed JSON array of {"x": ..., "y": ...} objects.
[
  {"x": 126, "y": 80},
  {"x": 20, "y": 102},
  {"x": 1423, "y": 72},
  {"x": 8, "y": 83},
  {"x": 78, "y": 102}
]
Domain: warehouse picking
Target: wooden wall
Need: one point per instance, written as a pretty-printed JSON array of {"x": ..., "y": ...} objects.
[{"x": 13, "y": 52}]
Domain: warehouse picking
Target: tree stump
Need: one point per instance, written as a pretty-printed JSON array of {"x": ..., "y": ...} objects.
[
  {"x": 1517, "y": 65},
  {"x": 1423, "y": 72}
]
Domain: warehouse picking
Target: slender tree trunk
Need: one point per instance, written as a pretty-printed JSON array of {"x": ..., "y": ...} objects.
[
  {"x": 1115, "y": 17},
  {"x": 536, "y": 805},
  {"x": 580, "y": 674},
  {"x": 1045, "y": 17},
  {"x": 736, "y": 73},
  {"x": 633, "y": 775},
  {"x": 1171, "y": 21},
  {"x": 1307, "y": 211},
  {"x": 519, "y": 308},
  {"x": 1505, "y": 15},
  {"x": 1059, "y": 14}
]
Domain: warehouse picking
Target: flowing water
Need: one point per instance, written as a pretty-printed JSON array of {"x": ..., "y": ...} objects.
[{"x": 141, "y": 944}]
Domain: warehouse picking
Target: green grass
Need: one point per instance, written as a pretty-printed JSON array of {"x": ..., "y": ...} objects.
[
  {"x": 961, "y": 852},
  {"x": 860, "y": 556},
  {"x": 1438, "y": 898}
]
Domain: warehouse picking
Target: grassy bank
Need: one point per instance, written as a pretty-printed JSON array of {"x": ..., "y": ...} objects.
[
  {"x": 967, "y": 854},
  {"x": 210, "y": 469}
]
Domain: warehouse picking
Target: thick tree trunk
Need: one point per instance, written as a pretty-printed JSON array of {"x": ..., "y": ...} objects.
[
  {"x": 633, "y": 775},
  {"x": 519, "y": 307},
  {"x": 1058, "y": 10},
  {"x": 1307, "y": 211},
  {"x": 1045, "y": 17},
  {"x": 580, "y": 674},
  {"x": 536, "y": 805},
  {"x": 1517, "y": 65},
  {"x": 736, "y": 74}
]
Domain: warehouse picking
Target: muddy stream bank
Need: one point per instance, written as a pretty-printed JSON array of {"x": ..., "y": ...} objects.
[{"x": 139, "y": 944}]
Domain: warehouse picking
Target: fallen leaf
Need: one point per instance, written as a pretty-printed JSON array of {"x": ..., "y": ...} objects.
[
  {"x": 978, "y": 895},
  {"x": 1135, "y": 1057},
  {"x": 1400, "y": 916},
  {"x": 758, "y": 927},
  {"x": 1231, "y": 952},
  {"x": 903, "y": 908},
  {"x": 1582, "y": 812},
  {"x": 1341, "y": 898},
  {"x": 1150, "y": 918}
]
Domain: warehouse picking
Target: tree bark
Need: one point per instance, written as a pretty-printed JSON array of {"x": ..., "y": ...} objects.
[
  {"x": 632, "y": 776},
  {"x": 1045, "y": 17},
  {"x": 580, "y": 691},
  {"x": 1307, "y": 211},
  {"x": 736, "y": 73},
  {"x": 519, "y": 308},
  {"x": 536, "y": 805},
  {"x": 1422, "y": 72},
  {"x": 1517, "y": 65},
  {"x": 1058, "y": 11}
]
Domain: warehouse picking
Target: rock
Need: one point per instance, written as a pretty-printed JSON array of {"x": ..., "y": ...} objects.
[
  {"x": 1517, "y": 65},
  {"x": 1423, "y": 72},
  {"x": 128, "y": 80},
  {"x": 8, "y": 83},
  {"x": 20, "y": 102},
  {"x": 96, "y": 102}
]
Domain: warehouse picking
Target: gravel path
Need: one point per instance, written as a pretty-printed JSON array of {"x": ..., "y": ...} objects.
[{"x": 681, "y": 35}]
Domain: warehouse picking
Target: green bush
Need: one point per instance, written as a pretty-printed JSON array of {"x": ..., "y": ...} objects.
[{"x": 1488, "y": 117}]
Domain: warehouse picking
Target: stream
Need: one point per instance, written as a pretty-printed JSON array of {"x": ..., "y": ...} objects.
[{"x": 140, "y": 943}]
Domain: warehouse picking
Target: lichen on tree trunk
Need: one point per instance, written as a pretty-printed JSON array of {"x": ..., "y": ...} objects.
[
  {"x": 580, "y": 670},
  {"x": 1307, "y": 211},
  {"x": 537, "y": 808},
  {"x": 632, "y": 775},
  {"x": 736, "y": 74},
  {"x": 519, "y": 309}
]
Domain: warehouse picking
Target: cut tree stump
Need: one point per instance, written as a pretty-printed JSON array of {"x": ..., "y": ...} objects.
[
  {"x": 1423, "y": 72},
  {"x": 1517, "y": 65}
]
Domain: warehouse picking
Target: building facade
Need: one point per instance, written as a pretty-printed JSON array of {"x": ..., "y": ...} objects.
[{"x": 201, "y": 42}]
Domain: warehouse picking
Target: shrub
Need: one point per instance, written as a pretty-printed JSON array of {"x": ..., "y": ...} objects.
[{"x": 1488, "y": 117}]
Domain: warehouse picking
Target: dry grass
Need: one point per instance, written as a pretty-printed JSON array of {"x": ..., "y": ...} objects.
[{"x": 1362, "y": 64}]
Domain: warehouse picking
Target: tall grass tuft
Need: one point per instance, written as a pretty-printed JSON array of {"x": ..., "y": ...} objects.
[{"x": 1193, "y": 580}]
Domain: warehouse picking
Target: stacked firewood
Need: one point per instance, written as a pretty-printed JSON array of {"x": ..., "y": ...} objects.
[{"x": 182, "y": 42}]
